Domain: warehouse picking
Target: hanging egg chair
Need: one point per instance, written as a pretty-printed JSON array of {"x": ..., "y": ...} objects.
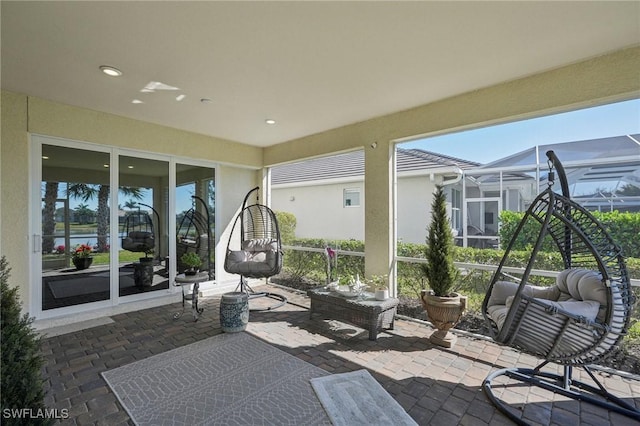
[
  {"x": 139, "y": 232},
  {"x": 194, "y": 235},
  {"x": 254, "y": 249},
  {"x": 576, "y": 322}
]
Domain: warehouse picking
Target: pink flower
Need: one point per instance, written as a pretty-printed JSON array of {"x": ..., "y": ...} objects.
[{"x": 331, "y": 253}]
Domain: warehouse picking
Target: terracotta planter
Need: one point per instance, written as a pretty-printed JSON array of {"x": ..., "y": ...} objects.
[{"x": 444, "y": 313}]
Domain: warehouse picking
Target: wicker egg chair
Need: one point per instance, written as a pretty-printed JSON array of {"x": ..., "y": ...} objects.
[
  {"x": 576, "y": 322},
  {"x": 254, "y": 249}
]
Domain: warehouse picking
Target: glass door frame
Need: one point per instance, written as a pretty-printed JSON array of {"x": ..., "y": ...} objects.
[
  {"x": 35, "y": 234},
  {"x": 34, "y": 303}
]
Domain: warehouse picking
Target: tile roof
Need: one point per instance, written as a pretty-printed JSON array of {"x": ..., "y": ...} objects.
[{"x": 351, "y": 164}]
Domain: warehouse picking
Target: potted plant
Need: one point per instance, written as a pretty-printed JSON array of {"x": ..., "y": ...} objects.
[
  {"x": 81, "y": 256},
  {"x": 378, "y": 284},
  {"x": 192, "y": 261},
  {"x": 444, "y": 306}
]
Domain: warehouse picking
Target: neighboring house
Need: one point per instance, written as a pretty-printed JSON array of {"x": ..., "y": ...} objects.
[{"x": 327, "y": 194}]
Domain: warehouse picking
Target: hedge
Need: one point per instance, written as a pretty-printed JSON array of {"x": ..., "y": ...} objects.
[
  {"x": 624, "y": 228},
  {"x": 312, "y": 265}
]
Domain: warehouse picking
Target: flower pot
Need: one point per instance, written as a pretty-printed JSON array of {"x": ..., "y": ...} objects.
[
  {"x": 82, "y": 262},
  {"x": 382, "y": 294},
  {"x": 443, "y": 313},
  {"x": 191, "y": 271}
]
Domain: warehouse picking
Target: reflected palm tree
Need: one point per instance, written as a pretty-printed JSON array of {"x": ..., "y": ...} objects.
[
  {"x": 87, "y": 192},
  {"x": 49, "y": 216}
]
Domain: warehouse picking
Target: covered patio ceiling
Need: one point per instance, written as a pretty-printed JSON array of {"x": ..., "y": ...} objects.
[{"x": 223, "y": 68}]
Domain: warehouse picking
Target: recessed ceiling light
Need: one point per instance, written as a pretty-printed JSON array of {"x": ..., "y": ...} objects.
[
  {"x": 180, "y": 97},
  {"x": 270, "y": 121},
  {"x": 110, "y": 71},
  {"x": 129, "y": 167},
  {"x": 44, "y": 157},
  {"x": 137, "y": 101},
  {"x": 106, "y": 166}
]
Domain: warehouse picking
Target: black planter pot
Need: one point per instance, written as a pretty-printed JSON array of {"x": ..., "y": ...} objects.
[
  {"x": 82, "y": 262},
  {"x": 191, "y": 271}
]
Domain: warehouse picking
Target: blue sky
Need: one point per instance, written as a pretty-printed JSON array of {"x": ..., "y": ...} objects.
[{"x": 491, "y": 143}]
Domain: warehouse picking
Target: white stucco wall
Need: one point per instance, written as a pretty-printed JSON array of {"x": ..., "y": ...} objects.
[
  {"x": 320, "y": 214},
  {"x": 319, "y": 211},
  {"x": 414, "y": 208}
]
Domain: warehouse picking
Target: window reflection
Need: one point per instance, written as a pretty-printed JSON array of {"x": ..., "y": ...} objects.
[
  {"x": 142, "y": 216},
  {"x": 75, "y": 226}
]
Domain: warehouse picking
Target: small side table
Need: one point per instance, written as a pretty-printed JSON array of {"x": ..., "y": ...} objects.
[{"x": 182, "y": 281}]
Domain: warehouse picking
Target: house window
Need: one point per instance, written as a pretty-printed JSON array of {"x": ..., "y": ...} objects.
[
  {"x": 456, "y": 209},
  {"x": 351, "y": 197}
]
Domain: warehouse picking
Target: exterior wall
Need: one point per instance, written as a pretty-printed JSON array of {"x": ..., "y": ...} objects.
[
  {"x": 414, "y": 208},
  {"x": 319, "y": 210},
  {"x": 232, "y": 185},
  {"x": 22, "y": 115},
  {"x": 14, "y": 193}
]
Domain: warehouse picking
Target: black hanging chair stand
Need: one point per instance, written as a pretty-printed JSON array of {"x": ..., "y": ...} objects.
[
  {"x": 551, "y": 331},
  {"x": 194, "y": 231},
  {"x": 260, "y": 253}
]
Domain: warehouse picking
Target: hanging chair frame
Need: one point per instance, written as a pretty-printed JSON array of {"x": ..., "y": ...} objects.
[
  {"x": 583, "y": 243},
  {"x": 149, "y": 223},
  {"x": 199, "y": 221},
  {"x": 269, "y": 232}
]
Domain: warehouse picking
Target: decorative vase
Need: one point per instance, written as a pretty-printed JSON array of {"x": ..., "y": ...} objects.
[
  {"x": 143, "y": 272},
  {"x": 234, "y": 311},
  {"x": 382, "y": 294},
  {"x": 444, "y": 313},
  {"x": 82, "y": 262}
]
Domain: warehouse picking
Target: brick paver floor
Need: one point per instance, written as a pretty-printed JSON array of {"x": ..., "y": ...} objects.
[{"x": 436, "y": 386}]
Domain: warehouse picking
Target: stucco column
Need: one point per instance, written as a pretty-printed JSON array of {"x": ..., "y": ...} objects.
[{"x": 378, "y": 209}]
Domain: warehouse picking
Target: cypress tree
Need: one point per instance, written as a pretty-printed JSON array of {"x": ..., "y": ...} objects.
[
  {"x": 439, "y": 269},
  {"x": 21, "y": 368}
]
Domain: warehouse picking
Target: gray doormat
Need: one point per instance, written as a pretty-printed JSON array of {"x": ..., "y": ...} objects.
[
  {"x": 356, "y": 398},
  {"x": 230, "y": 379},
  {"x": 88, "y": 283}
]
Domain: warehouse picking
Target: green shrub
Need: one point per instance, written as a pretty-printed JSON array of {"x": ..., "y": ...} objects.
[
  {"x": 287, "y": 224},
  {"x": 22, "y": 384}
]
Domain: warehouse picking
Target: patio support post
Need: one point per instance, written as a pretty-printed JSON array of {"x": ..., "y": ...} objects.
[{"x": 378, "y": 225}]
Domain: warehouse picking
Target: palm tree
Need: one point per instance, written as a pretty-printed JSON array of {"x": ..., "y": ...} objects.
[
  {"x": 89, "y": 192},
  {"x": 130, "y": 204},
  {"x": 83, "y": 213},
  {"x": 49, "y": 216}
]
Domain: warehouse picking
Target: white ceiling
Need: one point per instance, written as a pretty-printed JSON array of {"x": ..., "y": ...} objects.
[{"x": 311, "y": 66}]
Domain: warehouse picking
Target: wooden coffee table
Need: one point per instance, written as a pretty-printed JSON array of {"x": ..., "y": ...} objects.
[{"x": 366, "y": 312}]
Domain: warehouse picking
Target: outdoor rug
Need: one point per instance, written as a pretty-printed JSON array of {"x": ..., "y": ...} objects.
[
  {"x": 230, "y": 379},
  {"x": 356, "y": 398},
  {"x": 80, "y": 284}
]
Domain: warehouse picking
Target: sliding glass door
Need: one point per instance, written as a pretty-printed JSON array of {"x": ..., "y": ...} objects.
[
  {"x": 195, "y": 208},
  {"x": 75, "y": 211},
  {"x": 143, "y": 202},
  {"x": 98, "y": 244}
]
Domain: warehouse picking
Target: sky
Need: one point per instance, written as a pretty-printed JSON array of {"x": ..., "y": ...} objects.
[{"x": 491, "y": 143}]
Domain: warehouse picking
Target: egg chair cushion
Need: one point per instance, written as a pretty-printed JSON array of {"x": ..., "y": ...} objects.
[
  {"x": 138, "y": 241},
  {"x": 256, "y": 257}
]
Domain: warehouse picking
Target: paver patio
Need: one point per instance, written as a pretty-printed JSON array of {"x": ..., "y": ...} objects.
[{"x": 436, "y": 386}]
